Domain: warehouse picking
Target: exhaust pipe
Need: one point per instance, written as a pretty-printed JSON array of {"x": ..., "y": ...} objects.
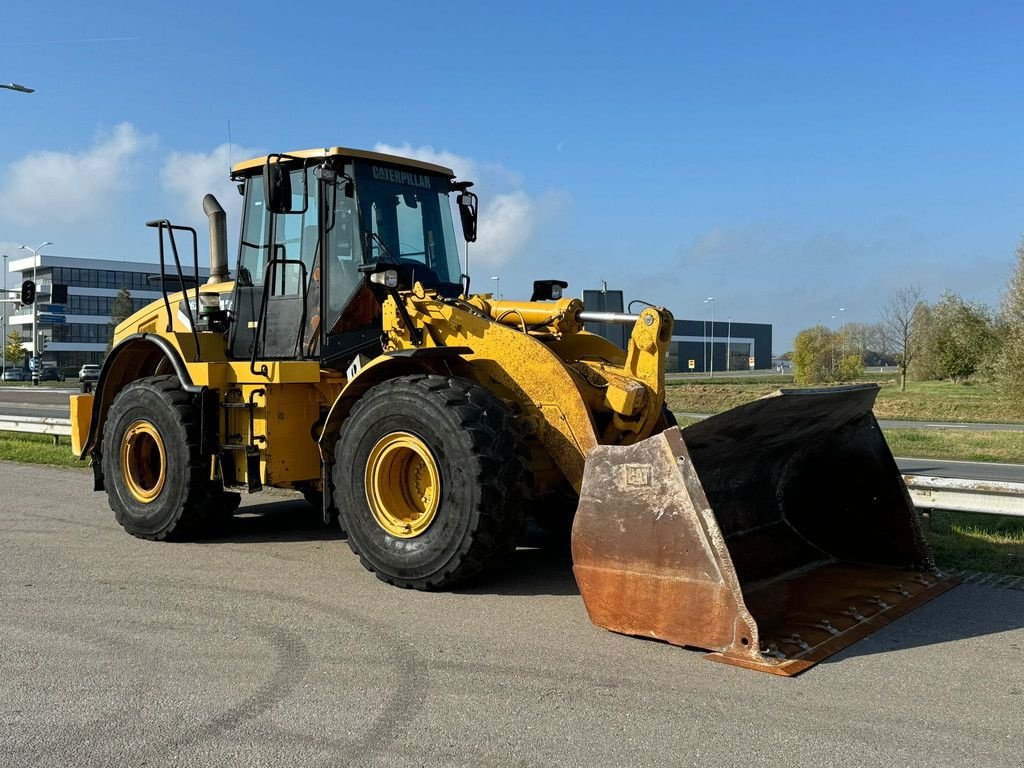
[{"x": 218, "y": 240}]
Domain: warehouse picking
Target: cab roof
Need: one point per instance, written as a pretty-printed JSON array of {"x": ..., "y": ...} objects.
[{"x": 258, "y": 162}]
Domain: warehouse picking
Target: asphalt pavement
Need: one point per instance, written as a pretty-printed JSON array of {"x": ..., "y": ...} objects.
[
  {"x": 36, "y": 401},
  {"x": 271, "y": 646},
  {"x": 967, "y": 470}
]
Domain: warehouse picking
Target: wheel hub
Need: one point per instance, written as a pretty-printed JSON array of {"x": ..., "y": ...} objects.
[
  {"x": 403, "y": 485},
  {"x": 143, "y": 461}
]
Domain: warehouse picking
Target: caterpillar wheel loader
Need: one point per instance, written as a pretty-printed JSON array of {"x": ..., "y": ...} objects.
[{"x": 349, "y": 359}]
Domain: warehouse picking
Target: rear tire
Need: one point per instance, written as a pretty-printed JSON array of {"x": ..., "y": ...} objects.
[
  {"x": 447, "y": 479},
  {"x": 157, "y": 482}
]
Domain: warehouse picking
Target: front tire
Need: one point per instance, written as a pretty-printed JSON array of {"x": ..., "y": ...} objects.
[
  {"x": 430, "y": 481},
  {"x": 157, "y": 483}
]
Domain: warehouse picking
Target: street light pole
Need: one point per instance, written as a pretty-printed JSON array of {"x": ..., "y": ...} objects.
[
  {"x": 712, "y": 300},
  {"x": 704, "y": 343},
  {"x": 35, "y": 304},
  {"x": 728, "y": 348},
  {"x": 3, "y": 341},
  {"x": 832, "y": 336},
  {"x": 842, "y": 314},
  {"x": 497, "y": 284},
  {"x": 17, "y": 87}
]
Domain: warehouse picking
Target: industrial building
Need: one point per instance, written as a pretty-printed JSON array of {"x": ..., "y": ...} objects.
[
  {"x": 79, "y": 331},
  {"x": 697, "y": 346}
]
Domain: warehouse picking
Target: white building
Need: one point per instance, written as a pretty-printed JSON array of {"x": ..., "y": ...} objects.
[{"x": 93, "y": 284}]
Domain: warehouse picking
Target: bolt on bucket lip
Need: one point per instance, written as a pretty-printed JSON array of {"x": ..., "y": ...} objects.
[
  {"x": 794, "y": 645},
  {"x": 773, "y": 535}
]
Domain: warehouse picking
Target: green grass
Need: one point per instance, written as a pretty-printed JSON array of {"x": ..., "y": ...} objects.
[
  {"x": 923, "y": 400},
  {"x": 990, "y": 543},
  {"x": 957, "y": 444},
  {"x": 37, "y": 449}
]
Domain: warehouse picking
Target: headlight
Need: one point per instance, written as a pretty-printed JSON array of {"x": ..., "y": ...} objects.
[
  {"x": 388, "y": 278},
  {"x": 208, "y": 302}
]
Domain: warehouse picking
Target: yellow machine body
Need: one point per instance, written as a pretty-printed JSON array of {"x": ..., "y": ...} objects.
[{"x": 713, "y": 537}]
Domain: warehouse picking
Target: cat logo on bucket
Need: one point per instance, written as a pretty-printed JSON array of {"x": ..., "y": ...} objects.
[{"x": 638, "y": 474}]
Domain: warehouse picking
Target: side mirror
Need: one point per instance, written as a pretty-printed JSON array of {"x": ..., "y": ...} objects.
[
  {"x": 467, "y": 212},
  {"x": 277, "y": 185}
]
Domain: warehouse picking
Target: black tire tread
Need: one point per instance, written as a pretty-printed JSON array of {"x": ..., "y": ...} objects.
[
  {"x": 205, "y": 503},
  {"x": 502, "y": 473}
]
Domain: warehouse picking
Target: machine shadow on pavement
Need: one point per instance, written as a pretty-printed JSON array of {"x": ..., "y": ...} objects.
[
  {"x": 290, "y": 520},
  {"x": 964, "y": 612},
  {"x": 541, "y": 565}
]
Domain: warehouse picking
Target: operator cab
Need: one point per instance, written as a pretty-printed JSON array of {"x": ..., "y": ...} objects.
[{"x": 332, "y": 216}]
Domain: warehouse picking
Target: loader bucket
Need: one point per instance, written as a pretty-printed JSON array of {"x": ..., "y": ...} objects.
[{"x": 773, "y": 534}]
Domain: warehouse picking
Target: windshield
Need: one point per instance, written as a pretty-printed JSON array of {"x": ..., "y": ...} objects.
[{"x": 406, "y": 218}]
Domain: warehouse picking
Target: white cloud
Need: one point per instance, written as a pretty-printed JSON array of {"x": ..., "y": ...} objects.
[
  {"x": 509, "y": 216},
  {"x": 189, "y": 176},
  {"x": 64, "y": 188}
]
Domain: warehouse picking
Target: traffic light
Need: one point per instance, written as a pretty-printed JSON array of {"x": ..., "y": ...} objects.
[{"x": 28, "y": 293}]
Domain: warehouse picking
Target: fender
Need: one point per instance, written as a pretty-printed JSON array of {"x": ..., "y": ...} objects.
[
  {"x": 439, "y": 360},
  {"x": 137, "y": 356}
]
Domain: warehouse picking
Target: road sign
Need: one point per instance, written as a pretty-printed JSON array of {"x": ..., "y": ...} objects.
[
  {"x": 44, "y": 319},
  {"x": 693, "y": 364},
  {"x": 751, "y": 361},
  {"x": 53, "y": 309}
]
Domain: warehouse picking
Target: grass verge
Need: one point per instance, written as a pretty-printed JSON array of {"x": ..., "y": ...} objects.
[
  {"x": 990, "y": 543},
  {"x": 923, "y": 400},
  {"x": 957, "y": 444},
  {"x": 37, "y": 449}
]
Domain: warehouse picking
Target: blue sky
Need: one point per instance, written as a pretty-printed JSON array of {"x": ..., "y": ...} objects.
[{"x": 786, "y": 158}]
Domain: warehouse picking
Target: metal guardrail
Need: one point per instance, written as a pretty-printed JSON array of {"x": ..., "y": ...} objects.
[
  {"x": 960, "y": 495},
  {"x": 40, "y": 425},
  {"x": 945, "y": 493}
]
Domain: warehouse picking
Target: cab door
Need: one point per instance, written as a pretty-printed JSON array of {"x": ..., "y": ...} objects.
[{"x": 275, "y": 261}]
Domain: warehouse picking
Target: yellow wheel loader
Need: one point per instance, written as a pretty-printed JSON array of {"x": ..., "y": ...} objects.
[{"x": 349, "y": 359}]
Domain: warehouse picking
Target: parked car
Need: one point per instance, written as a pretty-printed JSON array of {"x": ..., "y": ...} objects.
[
  {"x": 89, "y": 372},
  {"x": 50, "y": 373},
  {"x": 16, "y": 374}
]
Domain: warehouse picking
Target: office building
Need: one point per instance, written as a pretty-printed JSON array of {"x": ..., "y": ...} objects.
[
  {"x": 81, "y": 330},
  {"x": 697, "y": 345}
]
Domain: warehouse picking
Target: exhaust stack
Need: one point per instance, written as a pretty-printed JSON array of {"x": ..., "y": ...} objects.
[{"x": 218, "y": 240}]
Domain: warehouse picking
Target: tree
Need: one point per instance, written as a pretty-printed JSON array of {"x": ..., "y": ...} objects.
[
  {"x": 120, "y": 312},
  {"x": 867, "y": 341},
  {"x": 818, "y": 357},
  {"x": 899, "y": 326},
  {"x": 851, "y": 367},
  {"x": 955, "y": 339},
  {"x": 15, "y": 353},
  {"x": 1009, "y": 365}
]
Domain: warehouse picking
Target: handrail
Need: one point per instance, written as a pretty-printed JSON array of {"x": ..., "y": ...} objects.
[{"x": 161, "y": 225}]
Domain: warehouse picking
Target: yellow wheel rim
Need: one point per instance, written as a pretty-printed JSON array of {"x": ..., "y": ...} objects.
[
  {"x": 143, "y": 461},
  {"x": 403, "y": 485}
]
